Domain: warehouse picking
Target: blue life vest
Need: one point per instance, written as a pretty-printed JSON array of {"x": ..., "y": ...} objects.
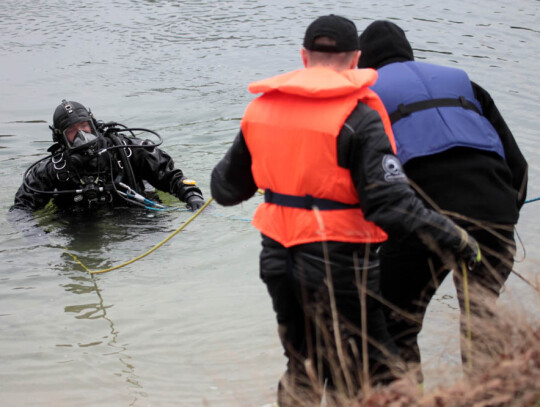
[{"x": 456, "y": 121}]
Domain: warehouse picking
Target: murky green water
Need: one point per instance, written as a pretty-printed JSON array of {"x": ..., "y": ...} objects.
[{"x": 192, "y": 322}]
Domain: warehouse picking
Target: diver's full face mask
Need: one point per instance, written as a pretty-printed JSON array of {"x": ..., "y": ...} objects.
[{"x": 80, "y": 135}]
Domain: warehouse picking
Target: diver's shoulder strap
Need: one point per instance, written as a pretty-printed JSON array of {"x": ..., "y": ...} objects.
[{"x": 125, "y": 161}]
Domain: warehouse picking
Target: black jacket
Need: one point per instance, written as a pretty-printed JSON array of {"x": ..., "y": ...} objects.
[
  {"x": 64, "y": 172},
  {"x": 385, "y": 196}
]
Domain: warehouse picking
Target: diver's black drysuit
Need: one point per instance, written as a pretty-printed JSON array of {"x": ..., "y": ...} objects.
[{"x": 94, "y": 172}]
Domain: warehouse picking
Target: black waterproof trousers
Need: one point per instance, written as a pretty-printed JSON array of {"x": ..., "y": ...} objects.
[
  {"x": 323, "y": 316},
  {"x": 410, "y": 275}
]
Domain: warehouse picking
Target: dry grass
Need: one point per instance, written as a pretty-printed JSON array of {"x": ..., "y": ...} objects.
[
  {"x": 505, "y": 372},
  {"x": 509, "y": 375}
]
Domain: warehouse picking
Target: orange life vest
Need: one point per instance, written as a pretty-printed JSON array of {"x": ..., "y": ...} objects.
[{"x": 291, "y": 133}]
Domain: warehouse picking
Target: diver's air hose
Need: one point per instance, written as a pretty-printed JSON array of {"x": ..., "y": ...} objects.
[{"x": 126, "y": 164}]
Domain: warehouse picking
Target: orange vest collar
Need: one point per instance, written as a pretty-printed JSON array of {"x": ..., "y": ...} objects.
[{"x": 317, "y": 82}]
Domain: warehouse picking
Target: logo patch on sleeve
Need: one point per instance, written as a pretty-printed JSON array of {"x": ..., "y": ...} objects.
[{"x": 393, "y": 171}]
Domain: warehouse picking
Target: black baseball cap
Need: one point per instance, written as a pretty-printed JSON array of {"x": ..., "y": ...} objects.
[{"x": 340, "y": 29}]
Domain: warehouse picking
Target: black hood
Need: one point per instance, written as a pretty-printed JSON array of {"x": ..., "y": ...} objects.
[
  {"x": 69, "y": 113},
  {"x": 382, "y": 43}
]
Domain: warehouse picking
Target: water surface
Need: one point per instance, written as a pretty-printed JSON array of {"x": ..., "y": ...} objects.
[{"x": 192, "y": 323}]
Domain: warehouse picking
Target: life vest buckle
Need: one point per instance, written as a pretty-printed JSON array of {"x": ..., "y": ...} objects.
[
  {"x": 404, "y": 110},
  {"x": 268, "y": 195}
]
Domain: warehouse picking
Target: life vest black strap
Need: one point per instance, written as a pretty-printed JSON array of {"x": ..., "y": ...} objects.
[
  {"x": 405, "y": 110},
  {"x": 304, "y": 202}
]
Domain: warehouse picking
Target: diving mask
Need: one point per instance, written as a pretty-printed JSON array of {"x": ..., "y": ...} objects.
[
  {"x": 80, "y": 134},
  {"x": 82, "y": 139}
]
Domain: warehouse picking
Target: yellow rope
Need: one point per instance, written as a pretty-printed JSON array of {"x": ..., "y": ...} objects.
[
  {"x": 467, "y": 313},
  {"x": 153, "y": 249}
]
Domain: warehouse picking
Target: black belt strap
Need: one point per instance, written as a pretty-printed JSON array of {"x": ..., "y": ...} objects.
[
  {"x": 304, "y": 202},
  {"x": 405, "y": 110}
]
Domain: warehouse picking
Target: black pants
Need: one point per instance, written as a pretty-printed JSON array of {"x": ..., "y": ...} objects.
[
  {"x": 410, "y": 275},
  {"x": 319, "y": 312}
]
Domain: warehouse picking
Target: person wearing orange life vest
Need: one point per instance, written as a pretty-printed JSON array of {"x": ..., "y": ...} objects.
[{"x": 320, "y": 144}]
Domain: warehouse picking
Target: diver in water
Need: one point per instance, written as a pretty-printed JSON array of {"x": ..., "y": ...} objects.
[{"x": 95, "y": 164}]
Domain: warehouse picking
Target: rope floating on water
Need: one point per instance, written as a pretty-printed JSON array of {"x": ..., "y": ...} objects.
[{"x": 153, "y": 249}]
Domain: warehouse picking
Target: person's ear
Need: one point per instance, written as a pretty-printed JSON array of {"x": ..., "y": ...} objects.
[
  {"x": 304, "y": 55},
  {"x": 354, "y": 61}
]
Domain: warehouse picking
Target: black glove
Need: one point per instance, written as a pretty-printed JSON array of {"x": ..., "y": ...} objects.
[
  {"x": 195, "y": 202},
  {"x": 469, "y": 251}
]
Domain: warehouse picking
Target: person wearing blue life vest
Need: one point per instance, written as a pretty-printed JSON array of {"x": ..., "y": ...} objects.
[{"x": 461, "y": 156}]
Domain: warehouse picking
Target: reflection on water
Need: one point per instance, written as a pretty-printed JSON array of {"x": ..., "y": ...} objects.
[
  {"x": 98, "y": 310},
  {"x": 192, "y": 321}
]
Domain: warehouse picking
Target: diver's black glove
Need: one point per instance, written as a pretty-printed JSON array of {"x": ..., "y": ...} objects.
[
  {"x": 195, "y": 202},
  {"x": 469, "y": 251}
]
